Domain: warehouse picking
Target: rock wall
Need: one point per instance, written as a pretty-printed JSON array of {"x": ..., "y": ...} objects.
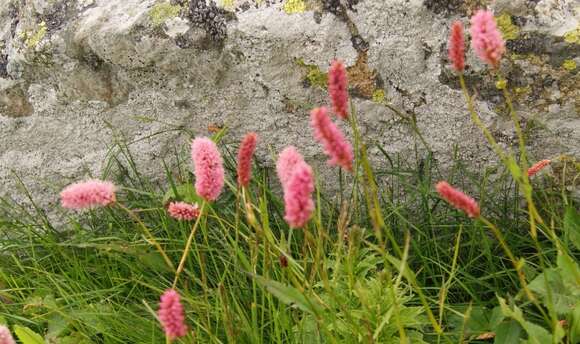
[{"x": 74, "y": 74}]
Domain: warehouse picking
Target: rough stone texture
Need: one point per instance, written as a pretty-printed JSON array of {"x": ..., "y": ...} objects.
[{"x": 76, "y": 73}]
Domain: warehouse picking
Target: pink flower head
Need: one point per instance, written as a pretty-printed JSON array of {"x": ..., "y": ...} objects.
[
  {"x": 5, "y": 336},
  {"x": 245, "y": 154},
  {"x": 456, "y": 47},
  {"x": 331, "y": 137},
  {"x": 183, "y": 211},
  {"x": 458, "y": 199},
  {"x": 537, "y": 167},
  {"x": 208, "y": 168},
  {"x": 337, "y": 88},
  {"x": 486, "y": 38},
  {"x": 288, "y": 159},
  {"x": 298, "y": 196},
  {"x": 171, "y": 315},
  {"x": 88, "y": 194}
]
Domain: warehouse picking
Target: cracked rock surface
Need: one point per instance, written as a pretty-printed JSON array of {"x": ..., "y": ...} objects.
[{"x": 75, "y": 75}]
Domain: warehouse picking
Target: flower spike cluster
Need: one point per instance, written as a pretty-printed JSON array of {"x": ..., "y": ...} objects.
[
  {"x": 245, "y": 154},
  {"x": 171, "y": 315},
  {"x": 5, "y": 336},
  {"x": 331, "y": 137},
  {"x": 538, "y": 166},
  {"x": 337, "y": 88},
  {"x": 456, "y": 47},
  {"x": 486, "y": 38},
  {"x": 298, "y": 196},
  {"x": 458, "y": 199},
  {"x": 183, "y": 211},
  {"x": 208, "y": 168},
  {"x": 88, "y": 194},
  {"x": 297, "y": 182}
]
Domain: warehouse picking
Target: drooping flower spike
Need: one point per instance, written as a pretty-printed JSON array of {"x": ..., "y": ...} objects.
[
  {"x": 208, "y": 168},
  {"x": 458, "y": 199},
  {"x": 287, "y": 161},
  {"x": 331, "y": 137},
  {"x": 538, "y": 166},
  {"x": 298, "y": 196},
  {"x": 6, "y": 336},
  {"x": 245, "y": 154},
  {"x": 456, "y": 47},
  {"x": 486, "y": 39},
  {"x": 88, "y": 194},
  {"x": 183, "y": 211},
  {"x": 338, "y": 88},
  {"x": 171, "y": 315}
]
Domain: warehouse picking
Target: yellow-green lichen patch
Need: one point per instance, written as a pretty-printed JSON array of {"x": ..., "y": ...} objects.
[
  {"x": 507, "y": 27},
  {"x": 294, "y": 6},
  {"x": 569, "y": 65},
  {"x": 573, "y": 36},
  {"x": 227, "y": 4},
  {"x": 314, "y": 76},
  {"x": 31, "y": 39},
  {"x": 379, "y": 96},
  {"x": 161, "y": 12}
]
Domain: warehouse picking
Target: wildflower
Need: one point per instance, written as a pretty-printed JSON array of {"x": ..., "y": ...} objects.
[
  {"x": 183, "y": 211},
  {"x": 5, "y": 336},
  {"x": 538, "y": 166},
  {"x": 245, "y": 154},
  {"x": 458, "y": 199},
  {"x": 88, "y": 194},
  {"x": 332, "y": 138},
  {"x": 298, "y": 196},
  {"x": 288, "y": 159},
  {"x": 486, "y": 38},
  {"x": 337, "y": 88},
  {"x": 171, "y": 315},
  {"x": 208, "y": 168},
  {"x": 456, "y": 47}
]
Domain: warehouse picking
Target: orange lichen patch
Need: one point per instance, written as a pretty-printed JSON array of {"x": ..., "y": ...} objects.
[
  {"x": 361, "y": 78},
  {"x": 212, "y": 128}
]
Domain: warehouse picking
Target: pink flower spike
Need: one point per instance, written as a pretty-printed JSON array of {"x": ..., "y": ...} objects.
[
  {"x": 245, "y": 154},
  {"x": 456, "y": 47},
  {"x": 298, "y": 196},
  {"x": 288, "y": 159},
  {"x": 538, "y": 166},
  {"x": 171, "y": 315},
  {"x": 88, "y": 194},
  {"x": 5, "y": 336},
  {"x": 337, "y": 88},
  {"x": 331, "y": 137},
  {"x": 486, "y": 38},
  {"x": 208, "y": 168},
  {"x": 183, "y": 211},
  {"x": 458, "y": 199}
]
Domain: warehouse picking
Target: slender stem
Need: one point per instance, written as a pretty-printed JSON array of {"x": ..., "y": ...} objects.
[
  {"x": 148, "y": 235},
  {"x": 188, "y": 245}
]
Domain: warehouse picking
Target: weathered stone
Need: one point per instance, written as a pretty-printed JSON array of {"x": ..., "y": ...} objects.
[{"x": 78, "y": 74}]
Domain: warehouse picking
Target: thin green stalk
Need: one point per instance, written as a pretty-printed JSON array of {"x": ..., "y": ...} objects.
[
  {"x": 187, "y": 248},
  {"x": 149, "y": 236}
]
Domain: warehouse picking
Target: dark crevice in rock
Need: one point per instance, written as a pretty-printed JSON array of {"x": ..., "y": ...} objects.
[
  {"x": 58, "y": 14},
  {"x": 210, "y": 18},
  {"x": 541, "y": 44},
  {"x": 3, "y": 65},
  {"x": 449, "y": 7}
]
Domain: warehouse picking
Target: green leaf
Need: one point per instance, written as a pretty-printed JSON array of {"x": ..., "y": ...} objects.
[
  {"x": 289, "y": 295},
  {"x": 563, "y": 297},
  {"x": 536, "y": 334},
  {"x": 572, "y": 226},
  {"x": 575, "y": 325},
  {"x": 185, "y": 192},
  {"x": 507, "y": 332},
  {"x": 27, "y": 336}
]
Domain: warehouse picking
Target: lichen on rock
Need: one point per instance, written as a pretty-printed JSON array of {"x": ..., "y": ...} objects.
[{"x": 162, "y": 12}]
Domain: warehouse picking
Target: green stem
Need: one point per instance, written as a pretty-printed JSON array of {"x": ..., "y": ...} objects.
[
  {"x": 148, "y": 235},
  {"x": 188, "y": 245}
]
